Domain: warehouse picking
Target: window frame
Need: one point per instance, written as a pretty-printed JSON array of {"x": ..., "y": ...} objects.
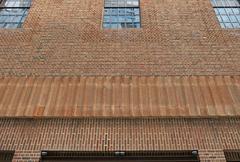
[
  {"x": 224, "y": 7},
  {"x": 123, "y": 7},
  {"x": 19, "y": 23}
]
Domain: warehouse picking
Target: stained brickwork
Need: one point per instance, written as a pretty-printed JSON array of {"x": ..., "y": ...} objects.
[
  {"x": 209, "y": 136},
  {"x": 180, "y": 37}
]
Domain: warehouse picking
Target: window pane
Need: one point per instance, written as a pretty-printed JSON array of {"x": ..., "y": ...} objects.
[
  {"x": 23, "y": 18},
  {"x": 13, "y": 12},
  {"x": 114, "y": 19},
  {"x": 106, "y": 18},
  {"x": 137, "y": 25},
  {"x": 132, "y": 3},
  {"x": 11, "y": 25},
  {"x": 114, "y": 25},
  {"x": 231, "y": 3},
  {"x": 221, "y": 11},
  {"x": 222, "y": 25},
  {"x": 17, "y": 18},
  {"x": 228, "y": 25},
  {"x": 236, "y": 11},
  {"x": 122, "y": 25},
  {"x": 3, "y": 19},
  {"x": 130, "y": 11},
  {"x": 136, "y": 11},
  {"x": 219, "y": 18},
  {"x": 238, "y": 17},
  {"x": 236, "y": 25},
  {"x": 106, "y": 25},
  {"x": 225, "y": 18},
  {"x": 136, "y": 19},
  {"x": 107, "y": 12},
  {"x": 121, "y": 3},
  {"x": 2, "y": 25},
  {"x": 233, "y": 18},
  {"x": 229, "y": 11},
  {"x": 121, "y": 19},
  {"x": 121, "y": 11},
  {"x": 129, "y": 25},
  {"x": 216, "y": 11},
  {"x": 17, "y": 3}
]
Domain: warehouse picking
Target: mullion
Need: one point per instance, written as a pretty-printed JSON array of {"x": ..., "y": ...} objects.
[
  {"x": 23, "y": 15},
  {"x": 14, "y": 7},
  {"x": 121, "y": 7},
  {"x": 226, "y": 6}
]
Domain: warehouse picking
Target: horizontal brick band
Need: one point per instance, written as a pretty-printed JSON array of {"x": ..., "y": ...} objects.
[{"x": 193, "y": 96}]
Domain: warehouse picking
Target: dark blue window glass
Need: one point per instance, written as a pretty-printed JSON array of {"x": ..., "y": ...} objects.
[
  {"x": 121, "y": 14},
  {"x": 13, "y": 13}
]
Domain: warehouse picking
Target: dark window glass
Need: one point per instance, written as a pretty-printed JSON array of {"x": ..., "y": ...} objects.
[
  {"x": 13, "y": 13},
  {"x": 121, "y": 14},
  {"x": 228, "y": 12}
]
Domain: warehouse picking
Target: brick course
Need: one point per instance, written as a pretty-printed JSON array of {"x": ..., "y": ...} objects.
[
  {"x": 209, "y": 136},
  {"x": 178, "y": 37}
]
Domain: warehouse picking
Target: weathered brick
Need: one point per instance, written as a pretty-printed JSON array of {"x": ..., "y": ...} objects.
[{"x": 178, "y": 37}]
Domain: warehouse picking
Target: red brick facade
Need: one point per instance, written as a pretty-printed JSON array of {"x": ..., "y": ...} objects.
[
  {"x": 209, "y": 136},
  {"x": 179, "y": 37},
  {"x": 65, "y": 38}
]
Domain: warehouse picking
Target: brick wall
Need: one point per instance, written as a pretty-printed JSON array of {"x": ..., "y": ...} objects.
[
  {"x": 209, "y": 136},
  {"x": 178, "y": 37}
]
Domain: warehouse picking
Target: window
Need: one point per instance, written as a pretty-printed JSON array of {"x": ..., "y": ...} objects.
[
  {"x": 232, "y": 155},
  {"x": 6, "y": 156},
  {"x": 118, "y": 156},
  {"x": 228, "y": 12},
  {"x": 121, "y": 14},
  {"x": 13, "y": 13}
]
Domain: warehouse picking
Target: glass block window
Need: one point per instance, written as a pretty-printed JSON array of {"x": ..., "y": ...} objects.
[
  {"x": 13, "y": 13},
  {"x": 121, "y": 14},
  {"x": 228, "y": 12}
]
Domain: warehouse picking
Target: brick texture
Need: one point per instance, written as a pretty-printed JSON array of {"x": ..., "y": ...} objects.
[
  {"x": 209, "y": 136},
  {"x": 180, "y": 37},
  {"x": 178, "y": 96}
]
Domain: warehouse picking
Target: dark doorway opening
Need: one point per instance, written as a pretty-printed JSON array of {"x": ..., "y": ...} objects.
[{"x": 117, "y": 156}]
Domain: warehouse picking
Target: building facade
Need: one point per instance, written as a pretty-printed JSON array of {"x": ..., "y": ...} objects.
[{"x": 75, "y": 75}]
